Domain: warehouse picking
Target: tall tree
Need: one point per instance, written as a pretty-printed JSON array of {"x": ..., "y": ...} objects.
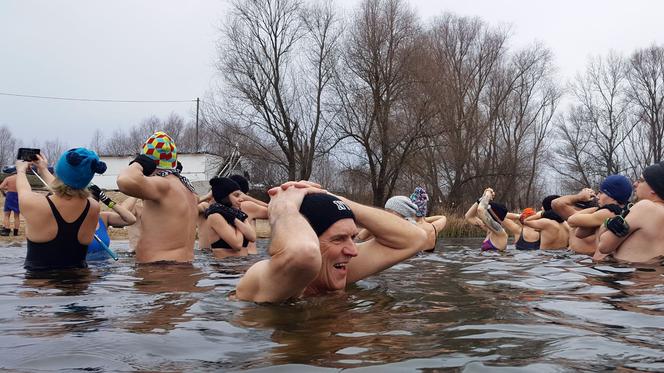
[{"x": 277, "y": 57}]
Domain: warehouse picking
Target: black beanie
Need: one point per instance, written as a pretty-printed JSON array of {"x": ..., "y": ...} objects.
[
  {"x": 323, "y": 210},
  {"x": 654, "y": 176},
  {"x": 499, "y": 210},
  {"x": 222, "y": 187},
  {"x": 546, "y": 202},
  {"x": 241, "y": 181}
]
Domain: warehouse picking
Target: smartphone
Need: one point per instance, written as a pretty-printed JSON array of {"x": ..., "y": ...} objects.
[{"x": 27, "y": 154}]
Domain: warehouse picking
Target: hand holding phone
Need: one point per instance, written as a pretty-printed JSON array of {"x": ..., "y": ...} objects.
[{"x": 27, "y": 154}]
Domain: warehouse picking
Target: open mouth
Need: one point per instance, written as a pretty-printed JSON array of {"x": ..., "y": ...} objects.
[{"x": 340, "y": 266}]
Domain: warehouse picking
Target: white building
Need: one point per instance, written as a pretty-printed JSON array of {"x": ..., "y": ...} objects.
[{"x": 199, "y": 168}]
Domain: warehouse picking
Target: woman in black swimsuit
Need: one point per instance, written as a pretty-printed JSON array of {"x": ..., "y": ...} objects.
[
  {"x": 226, "y": 229},
  {"x": 60, "y": 226}
]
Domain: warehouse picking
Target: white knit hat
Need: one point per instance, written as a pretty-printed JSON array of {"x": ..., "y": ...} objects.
[{"x": 402, "y": 205}]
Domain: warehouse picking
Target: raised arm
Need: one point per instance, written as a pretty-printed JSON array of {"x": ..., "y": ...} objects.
[
  {"x": 134, "y": 183},
  {"x": 471, "y": 216},
  {"x": 395, "y": 240},
  {"x": 295, "y": 252},
  {"x": 564, "y": 206},
  {"x": 42, "y": 168},
  {"x": 589, "y": 218},
  {"x": 485, "y": 216}
]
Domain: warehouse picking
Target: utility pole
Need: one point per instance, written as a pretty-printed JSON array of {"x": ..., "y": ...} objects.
[{"x": 198, "y": 101}]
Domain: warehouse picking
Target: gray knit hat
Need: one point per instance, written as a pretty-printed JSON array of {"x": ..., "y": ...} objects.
[{"x": 402, "y": 205}]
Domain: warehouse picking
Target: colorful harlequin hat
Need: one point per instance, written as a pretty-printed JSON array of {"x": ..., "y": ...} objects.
[{"x": 162, "y": 149}]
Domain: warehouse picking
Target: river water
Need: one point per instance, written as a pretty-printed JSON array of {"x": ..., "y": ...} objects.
[{"x": 454, "y": 310}]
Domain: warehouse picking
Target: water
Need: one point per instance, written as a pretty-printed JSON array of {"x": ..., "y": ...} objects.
[{"x": 458, "y": 310}]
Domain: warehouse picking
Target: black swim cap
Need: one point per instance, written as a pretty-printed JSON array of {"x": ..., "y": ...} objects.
[
  {"x": 323, "y": 210},
  {"x": 222, "y": 187},
  {"x": 546, "y": 202},
  {"x": 654, "y": 176},
  {"x": 499, "y": 211},
  {"x": 241, "y": 181}
]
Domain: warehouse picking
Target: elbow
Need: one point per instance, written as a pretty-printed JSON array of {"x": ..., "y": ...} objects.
[
  {"x": 305, "y": 259},
  {"x": 130, "y": 220},
  {"x": 126, "y": 184}
]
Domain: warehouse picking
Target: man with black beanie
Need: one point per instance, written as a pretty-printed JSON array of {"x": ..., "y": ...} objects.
[
  {"x": 636, "y": 235},
  {"x": 312, "y": 248}
]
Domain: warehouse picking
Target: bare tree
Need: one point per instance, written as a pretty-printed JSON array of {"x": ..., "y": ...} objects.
[
  {"x": 277, "y": 58},
  {"x": 375, "y": 88},
  {"x": 646, "y": 80},
  {"x": 601, "y": 117},
  {"x": 8, "y": 146}
]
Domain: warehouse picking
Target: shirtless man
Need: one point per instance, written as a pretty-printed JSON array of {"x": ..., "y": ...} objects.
[
  {"x": 312, "y": 249},
  {"x": 614, "y": 193},
  {"x": 168, "y": 218},
  {"x": 637, "y": 235},
  {"x": 554, "y": 233},
  {"x": 490, "y": 216},
  {"x": 8, "y": 187}
]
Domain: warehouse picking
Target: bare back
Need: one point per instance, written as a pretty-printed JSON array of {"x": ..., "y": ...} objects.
[
  {"x": 168, "y": 225},
  {"x": 646, "y": 242},
  {"x": 554, "y": 236},
  {"x": 9, "y": 184}
]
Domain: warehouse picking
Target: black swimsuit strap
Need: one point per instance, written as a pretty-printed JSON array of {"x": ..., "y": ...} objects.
[{"x": 60, "y": 220}]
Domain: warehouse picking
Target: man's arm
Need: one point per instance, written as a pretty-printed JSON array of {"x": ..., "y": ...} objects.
[
  {"x": 294, "y": 249},
  {"x": 132, "y": 182},
  {"x": 589, "y": 218},
  {"x": 609, "y": 242},
  {"x": 536, "y": 222},
  {"x": 395, "y": 240},
  {"x": 254, "y": 210},
  {"x": 248, "y": 198},
  {"x": 119, "y": 216},
  {"x": 564, "y": 206}
]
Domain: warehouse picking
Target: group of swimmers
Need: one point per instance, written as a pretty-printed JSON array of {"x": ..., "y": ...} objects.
[
  {"x": 315, "y": 244},
  {"x": 597, "y": 224}
]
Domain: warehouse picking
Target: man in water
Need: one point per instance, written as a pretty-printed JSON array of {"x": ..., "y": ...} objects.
[
  {"x": 312, "y": 249},
  {"x": 614, "y": 193},
  {"x": 554, "y": 233},
  {"x": 168, "y": 218},
  {"x": 8, "y": 187},
  {"x": 636, "y": 235}
]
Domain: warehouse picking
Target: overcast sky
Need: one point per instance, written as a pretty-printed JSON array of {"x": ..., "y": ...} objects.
[{"x": 165, "y": 50}]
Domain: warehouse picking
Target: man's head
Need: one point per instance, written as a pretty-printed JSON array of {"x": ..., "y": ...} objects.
[
  {"x": 226, "y": 191},
  {"x": 401, "y": 206},
  {"x": 242, "y": 182},
  {"x": 615, "y": 189},
  {"x": 334, "y": 224},
  {"x": 651, "y": 184},
  {"x": 161, "y": 148}
]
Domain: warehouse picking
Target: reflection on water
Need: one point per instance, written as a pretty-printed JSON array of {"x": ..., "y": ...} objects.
[{"x": 459, "y": 309}]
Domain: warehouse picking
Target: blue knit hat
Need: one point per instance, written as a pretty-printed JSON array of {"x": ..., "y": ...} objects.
[
  {"x": 617, "y": 187},
  {"x": 77, "y": 166}
]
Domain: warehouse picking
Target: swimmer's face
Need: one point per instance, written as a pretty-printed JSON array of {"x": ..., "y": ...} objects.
[
  {"x": 337, "y": 249},
  {"x": 235, "y": 198},
  {"x": 641, "y": 189},
  {"x": 604, "y": 199}
]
